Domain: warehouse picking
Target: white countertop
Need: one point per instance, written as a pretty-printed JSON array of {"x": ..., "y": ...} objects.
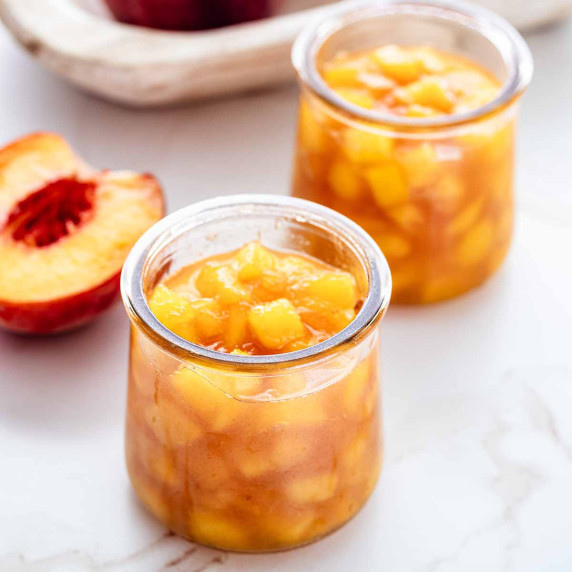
[{"x": 477, "y": 391}]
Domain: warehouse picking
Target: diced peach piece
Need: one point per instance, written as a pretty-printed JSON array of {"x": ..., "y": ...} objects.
[
  {"x": 398, "y": 64},
  {"x": 236, "y": 327},
  {"x": 420, "y": 163},
  {"x": 432, "y": 61},
  {"x": 344, "y": 181},
  {"x": 283, "y": 532},
  {"x": 492, "y": 143},
  {"x": 140, "y": 367},
  {"x": 276, "y": 323},
  {"x": 175, "y": 311},
  {"x": 466, "y": 218},
  {"x": 208, "y": 319},
  {"x": 359, "y": 97},
  {"x": 274, "y": 280},
  {"x": 362, "y": 146},
  {"x": 209, "y": 472},
  {"x": 253, "y": 260},
  {"x": 393, "y": 245},
  {"x": 286, "y": 385},
  {"x": 171, "y": 425},
  {"x": 290, "y": 449},
  {"x": 355, "y": 385},
  {"x": 296, "y": 267},
  {"x": 404, "y": 276},
  {"x": 252, "y": 464},
  {"x": 339, "y": 319},
  {"x": 323, "y": 316},
  {"x": 408, "y": 217},
  {"x": 239, "y": 352},
  {"x": 244, "y": 386},
  {"x": 313, "y": 133},
  {"x": 205, "y": 393},
  {"x": 448, "y": 192},
  {"x": 428, "y": 92},
  {"x": 272, "y": 285},
  {"x": 297, "y": 345},
  {"x": 218, "y": 530},
  {"x": 162, "y": 469},
  {"x": 388, "y": 184},
  {"x": 444, "y": 287},
  {"x": 219, "y": 281},
  {"x": 342, "y": 76},
  {"x": 337, "y": 289},
  {"x": 476, "y": 243},
  {"x": 468, "y": 81},
  {"x": 298, "y": 411},
  {"x": 476, "y": 99},
  {"x": 376, "y": 84},
  {"x": 312, "y": 489},
  {"x": 153, "y": 499},
  {"x": 353, "y": 455}
]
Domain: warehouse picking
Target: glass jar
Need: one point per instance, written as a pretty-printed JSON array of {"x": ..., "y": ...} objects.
[
  {"x": 442, "y": 212},
  {"x": 254, "y": 453}
]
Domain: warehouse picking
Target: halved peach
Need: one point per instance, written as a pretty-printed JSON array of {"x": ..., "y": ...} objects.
[{"x": 65, "y": 231}]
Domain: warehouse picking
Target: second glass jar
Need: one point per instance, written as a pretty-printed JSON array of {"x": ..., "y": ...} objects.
[
  {"x": 254, "y": 452},
  {"x": 435, "y": 193}
]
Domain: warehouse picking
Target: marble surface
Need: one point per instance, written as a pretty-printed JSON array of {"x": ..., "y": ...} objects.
[{"x": 477, "y": 391}]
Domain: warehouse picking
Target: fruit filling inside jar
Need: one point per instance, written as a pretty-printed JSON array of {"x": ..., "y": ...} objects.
[
  {"x": 268, "y": 460},
  {"x": 257, "y": 301},
  {"x": 438, "y": 200}
]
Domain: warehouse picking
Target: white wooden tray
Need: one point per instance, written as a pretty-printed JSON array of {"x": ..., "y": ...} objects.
[{"x": 135, "y": 66}]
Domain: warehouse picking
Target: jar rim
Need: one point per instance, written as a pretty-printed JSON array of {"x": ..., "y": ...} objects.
[
  {"x": 510, "y": 45},
  {"x": 299, "y": 210}
]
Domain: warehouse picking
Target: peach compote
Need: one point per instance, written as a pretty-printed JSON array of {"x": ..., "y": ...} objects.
[
  {"x": 264, "y": 460},
  {"x": 437, "y": 198},
  {"x": 256, "y": 301}
]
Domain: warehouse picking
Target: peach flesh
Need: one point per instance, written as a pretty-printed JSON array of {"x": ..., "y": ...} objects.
[{"x": 65, "y": 231}]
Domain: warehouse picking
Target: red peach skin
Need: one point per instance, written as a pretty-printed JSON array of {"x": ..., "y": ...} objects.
[{"x": 188, "y": 14}]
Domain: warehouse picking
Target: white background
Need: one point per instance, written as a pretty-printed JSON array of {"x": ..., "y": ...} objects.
[{"x": 477, "y": 391}]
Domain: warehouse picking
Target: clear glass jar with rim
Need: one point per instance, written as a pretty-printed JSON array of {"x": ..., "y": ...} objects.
[
  {"x": 248, "y": 470},
  {"x": 436, "y": 193}
]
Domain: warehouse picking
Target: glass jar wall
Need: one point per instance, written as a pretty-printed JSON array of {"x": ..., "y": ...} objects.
[{"x": 263, "y": 452}]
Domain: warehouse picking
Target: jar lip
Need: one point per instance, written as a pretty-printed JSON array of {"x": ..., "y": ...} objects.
[
  {"x": 502, "y": 35},
  {"x": 175, "y": 224}
]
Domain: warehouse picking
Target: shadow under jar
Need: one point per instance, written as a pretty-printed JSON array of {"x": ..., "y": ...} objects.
[
  {"x": 435, "y": 190},
  {"x": 239, "y": 468}
]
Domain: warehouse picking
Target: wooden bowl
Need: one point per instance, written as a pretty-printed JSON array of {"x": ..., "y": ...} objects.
[{"x": 141, "y": 67}]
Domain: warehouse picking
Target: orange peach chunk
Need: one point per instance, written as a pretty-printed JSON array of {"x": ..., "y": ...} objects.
[
  {"x": 174, "y": 310},
  {"x": 276, "y": 324},
  {"x": 398, "y": 64},
  {"x": 362, "y": 146},
  {"x": 388, "y": 184},
  {"x": 318, "y": 488},
  {"x": 338, "y": 290},
  {"x": 253, "y": 260},
  {"x": 206, "y": 394}
]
